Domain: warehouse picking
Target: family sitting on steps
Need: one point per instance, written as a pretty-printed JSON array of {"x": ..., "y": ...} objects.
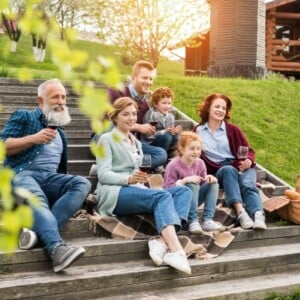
[{"x": 207, "y": 158}]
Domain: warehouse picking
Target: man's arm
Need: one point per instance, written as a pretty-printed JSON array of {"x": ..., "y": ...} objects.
[{"x": 14, "y": 145}]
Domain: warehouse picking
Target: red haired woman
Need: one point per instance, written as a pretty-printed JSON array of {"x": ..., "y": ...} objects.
[{"x": 236, "y": 176}]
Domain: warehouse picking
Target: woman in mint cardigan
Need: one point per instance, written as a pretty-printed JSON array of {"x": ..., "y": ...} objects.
[{"x": 121, "y": 189}]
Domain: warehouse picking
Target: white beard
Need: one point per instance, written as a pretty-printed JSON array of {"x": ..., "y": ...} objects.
[{"x": 58, "y": 118}]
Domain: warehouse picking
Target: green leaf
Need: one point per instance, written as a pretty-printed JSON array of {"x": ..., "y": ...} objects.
[
  {"x": 25, "y": 74},
  {"x": 97, "y": 150}
]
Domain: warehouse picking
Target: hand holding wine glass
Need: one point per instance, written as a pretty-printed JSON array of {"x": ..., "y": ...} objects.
[{"x": 242, "y": 153}]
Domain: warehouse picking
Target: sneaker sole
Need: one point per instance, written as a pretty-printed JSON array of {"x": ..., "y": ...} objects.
[
  {"x": 71, "y": 259},
  {"x": 260, "y": 228},
  {"x": 29, "y": 246}
]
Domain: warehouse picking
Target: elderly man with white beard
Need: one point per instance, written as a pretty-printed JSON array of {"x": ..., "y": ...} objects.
[{"x": 38, "y": 155}]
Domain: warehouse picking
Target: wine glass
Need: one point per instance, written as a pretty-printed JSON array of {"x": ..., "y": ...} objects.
[
  {"x": 54, "y": 120},
  {"x": 145, "y": 164},
  {"x": 242, "y": 152},
  {"x": 153, "y": 123}
]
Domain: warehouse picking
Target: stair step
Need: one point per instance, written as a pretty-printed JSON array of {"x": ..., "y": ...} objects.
[
  {"x": 80, "y": 167},
  {"x": 111, "y": 278},
  {"x": 76, "y": 152},
  {"x": 256, "y": 287}
]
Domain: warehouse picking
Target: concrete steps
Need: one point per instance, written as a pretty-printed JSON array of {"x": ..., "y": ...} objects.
[{"x": 112, "y": 268}]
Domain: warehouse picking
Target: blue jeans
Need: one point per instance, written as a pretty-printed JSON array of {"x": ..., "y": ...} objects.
[
  {"x": 204, "y": 193},
  {"x": 165, "y": 141},
  {"x": 169, "y": 207},
  {"x": 158, "y": 155},
  {"x": 61, "y": 196},
  {"x": 240, "y": 187}
]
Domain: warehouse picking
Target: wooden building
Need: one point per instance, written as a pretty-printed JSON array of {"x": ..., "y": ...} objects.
[
  {"x": 237, "y": 38},
  {"x": 247, "y": 38},
  {"x": 283, "y": 36},
  {"x": 197, "y": 55}
]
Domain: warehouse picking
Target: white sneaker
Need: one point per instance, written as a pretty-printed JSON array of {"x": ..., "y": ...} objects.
[
  {"x": 211, "y": 225},
  {"x": 245, "y": 221},
  {"x": 195, "y": 228},
  {"x": 178, "y": 261},
  {"x": 28, "y": 239},
  {"x": 157, "y": 251},
  {"x": 259, "y": 221}
]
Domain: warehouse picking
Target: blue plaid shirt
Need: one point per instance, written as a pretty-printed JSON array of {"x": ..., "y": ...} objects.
[{"x": 22, "y": 123}]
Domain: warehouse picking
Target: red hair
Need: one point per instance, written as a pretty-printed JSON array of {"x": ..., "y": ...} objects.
[
  {"x": 160, "y": 93},
  {"x": 185, "y": 138},
  {"x": 204, "y": 106}
]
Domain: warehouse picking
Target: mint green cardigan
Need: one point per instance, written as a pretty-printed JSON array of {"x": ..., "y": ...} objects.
[{"x": 113, "y": 169}]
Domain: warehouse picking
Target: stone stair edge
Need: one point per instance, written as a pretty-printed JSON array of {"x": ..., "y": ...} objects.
[
  {"x": 132, "y": 272},
  {"x": 105, "y": 246},
  {"x": 236, "y": 289}
]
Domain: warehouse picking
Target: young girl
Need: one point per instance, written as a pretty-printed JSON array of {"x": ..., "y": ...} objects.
[
  {"x": 188, "y": 169},
  {"x": 159, "y": 116}
]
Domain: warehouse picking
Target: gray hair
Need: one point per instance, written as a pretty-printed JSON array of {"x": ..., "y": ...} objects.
[{"x": 43, "y": 85}]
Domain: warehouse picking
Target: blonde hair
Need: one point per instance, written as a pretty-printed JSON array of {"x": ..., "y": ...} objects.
[
  {"x": 141, "y": 64},
  {"x": 185, "y": 138},
  {"x": 119, "y": 105}
]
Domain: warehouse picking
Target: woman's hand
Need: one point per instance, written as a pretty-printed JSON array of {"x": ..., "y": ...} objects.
[
  {"x": 138, "y": 177},
  {"x": 210, "y": 179},
  {"x": 245, "y": 164}
]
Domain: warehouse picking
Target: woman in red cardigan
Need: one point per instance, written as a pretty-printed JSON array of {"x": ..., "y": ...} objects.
[{"x": 236, "y": 176}]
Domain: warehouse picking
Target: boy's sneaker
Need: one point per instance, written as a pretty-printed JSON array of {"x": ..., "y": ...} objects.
[
  {"x": 211, "y": 225},
  {"x": 245, "y": 221},
  {"x": 63, "y": 256},
  {"x": 28, "y": 239},
  {"x": 259, "y": 221},
  {"x": 195, "y": 228}
]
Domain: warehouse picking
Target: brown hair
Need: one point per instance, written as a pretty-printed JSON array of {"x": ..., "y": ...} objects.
[
  {"x": 185, "y": 138},
  {"x": 119, "y": 105},
  {"x": 204, "y": 106},
  {"x": 160, "y": 93},
  {"x": 141, "y": 64}
]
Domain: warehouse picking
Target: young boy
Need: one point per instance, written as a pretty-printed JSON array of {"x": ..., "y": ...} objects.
[{"x": 159, "y": 116}]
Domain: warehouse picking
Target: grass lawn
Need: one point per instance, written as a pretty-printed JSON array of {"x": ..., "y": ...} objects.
[{"x": 267, "y": 110}]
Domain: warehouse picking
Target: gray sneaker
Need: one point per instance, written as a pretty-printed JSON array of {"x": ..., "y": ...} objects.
[
  {"x": 259, "y": 221},
  {"x": 245, "y": 221},
  {"x": 63, "y": 256},
  {"x": 28, "y": 239}
]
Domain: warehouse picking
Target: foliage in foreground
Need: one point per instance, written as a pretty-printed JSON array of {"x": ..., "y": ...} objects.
[
  {"x": 66, "y": 62},
  {"x": 295, "y": 295}
]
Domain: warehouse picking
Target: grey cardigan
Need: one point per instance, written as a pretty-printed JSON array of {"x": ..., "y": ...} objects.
[{"x": 113, "y": 169}]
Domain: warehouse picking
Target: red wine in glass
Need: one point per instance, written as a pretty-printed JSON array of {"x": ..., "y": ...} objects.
[
  {"x": 145, "y": 164},
  {"x": 153, "y": 123},
  {"x": 144, "y": 169},
  {"x": 51, "y": 126}
]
